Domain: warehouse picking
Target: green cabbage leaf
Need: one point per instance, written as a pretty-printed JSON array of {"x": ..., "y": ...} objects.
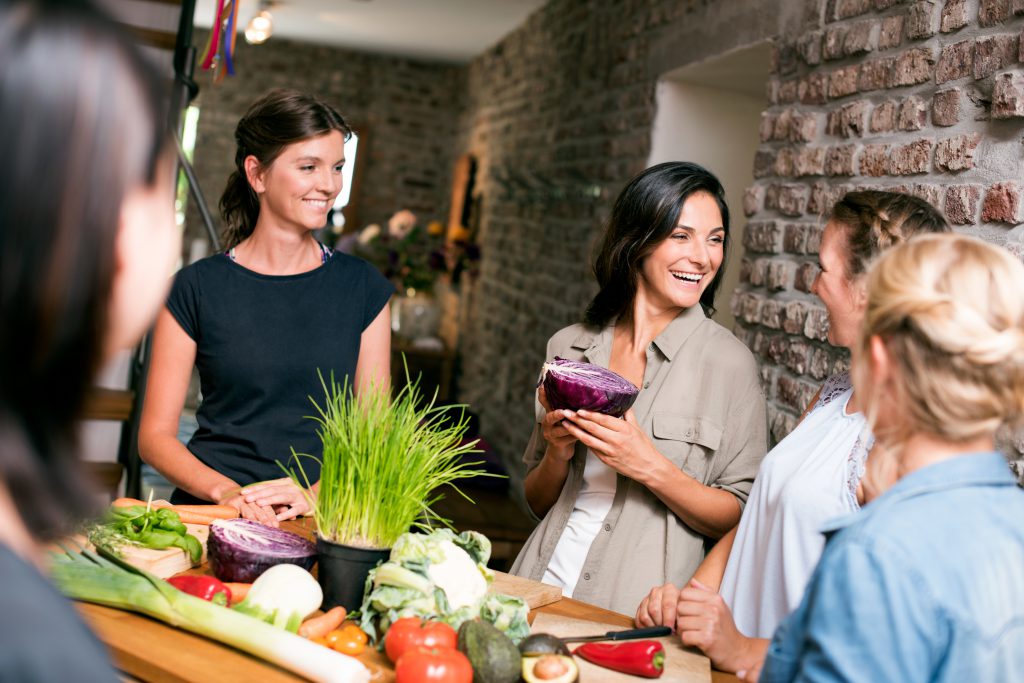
[{"x": 441, "y": 575}]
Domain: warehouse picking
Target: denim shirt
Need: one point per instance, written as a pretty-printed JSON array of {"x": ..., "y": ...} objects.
[{"x": 923, "y": 584}]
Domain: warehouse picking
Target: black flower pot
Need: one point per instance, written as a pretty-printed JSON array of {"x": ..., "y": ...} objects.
[{"x": 342, "y": 571}]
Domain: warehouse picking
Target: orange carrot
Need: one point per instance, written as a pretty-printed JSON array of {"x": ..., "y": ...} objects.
[
  {"x": 215, "y": 511},
  {"x": 128, "y": 502},
  {"x": 194, "y": 518},
  {"x": 320, "y": 626},
  {"x": 238, "y": 591}
]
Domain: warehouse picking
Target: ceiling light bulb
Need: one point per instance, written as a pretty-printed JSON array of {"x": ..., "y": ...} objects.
[{"x": 259, "y": 29}]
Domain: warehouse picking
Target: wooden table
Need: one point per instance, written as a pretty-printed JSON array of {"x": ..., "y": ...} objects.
[{"x": 148, "y": 650}]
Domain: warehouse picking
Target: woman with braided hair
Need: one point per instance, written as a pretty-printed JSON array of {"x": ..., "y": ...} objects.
[
  {"x": 757, "y": 573},
  {"x": 924, "y": 584}
]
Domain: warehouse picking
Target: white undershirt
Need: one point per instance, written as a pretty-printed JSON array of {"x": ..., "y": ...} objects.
[{"x": 588, "y": 513}]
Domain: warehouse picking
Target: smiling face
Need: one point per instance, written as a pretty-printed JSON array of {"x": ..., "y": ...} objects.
[
  {"x": 843, "y": 298},
  {"x": 684, "y": 264},
  {"x": 300, "y": 186}
]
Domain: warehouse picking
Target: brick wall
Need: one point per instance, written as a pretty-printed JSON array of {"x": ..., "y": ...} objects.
[
  {"x": 407, "y": 108},
  {"x": 920, "y": 96},
  {"x": 925, "y": 97},
  {"x": 559, "y": 115}
]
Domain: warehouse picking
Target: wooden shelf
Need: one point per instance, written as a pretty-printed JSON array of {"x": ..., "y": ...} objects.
[{"x": 109, "y": 404}]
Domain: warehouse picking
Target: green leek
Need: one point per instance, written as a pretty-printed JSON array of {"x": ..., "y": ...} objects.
[{"x": 112, "y": 582}]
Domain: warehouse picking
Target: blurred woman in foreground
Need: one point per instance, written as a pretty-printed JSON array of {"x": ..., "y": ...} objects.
[{"x": 87, "y": 240}]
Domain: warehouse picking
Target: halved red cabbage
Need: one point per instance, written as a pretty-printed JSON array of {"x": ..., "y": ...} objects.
[
  {"x": 241, "y": 549},
  {"x": 572, "y": 385}
]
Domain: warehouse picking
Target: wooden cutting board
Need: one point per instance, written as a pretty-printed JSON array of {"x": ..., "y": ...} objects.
[
  {"x": 163, "y": 563},
  {"x": 534, "y": 593},
  {"x": 682, "y": 665}
]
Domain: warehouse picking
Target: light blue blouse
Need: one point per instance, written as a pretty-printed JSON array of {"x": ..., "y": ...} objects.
[{"x": 923, "y": 584}]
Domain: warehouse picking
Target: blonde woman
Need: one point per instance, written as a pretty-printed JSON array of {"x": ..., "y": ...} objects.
[
  {"x": 757, "y": 573},
  {"x": 924, "y": 584}
]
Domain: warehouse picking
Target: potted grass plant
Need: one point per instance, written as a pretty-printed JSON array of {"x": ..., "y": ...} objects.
[{"x": 384, "y": 461}]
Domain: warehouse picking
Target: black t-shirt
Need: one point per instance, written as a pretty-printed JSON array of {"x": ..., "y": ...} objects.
[
  {"x": 42, "y": 638},
  {"x": 260, "y": 341}
]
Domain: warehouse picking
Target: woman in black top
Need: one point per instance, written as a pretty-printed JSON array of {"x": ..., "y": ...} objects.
[
  {"x": 261, "y": 319},
  {"x": 87, "y": 240}
]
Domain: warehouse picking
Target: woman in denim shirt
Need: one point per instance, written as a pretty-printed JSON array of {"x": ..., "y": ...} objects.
[{"x": 924, "y": 583}]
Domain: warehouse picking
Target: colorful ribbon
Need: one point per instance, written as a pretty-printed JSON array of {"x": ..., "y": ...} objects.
[
  {"x": 214, "y": 41},
  {"x": 219, "y": 53}
]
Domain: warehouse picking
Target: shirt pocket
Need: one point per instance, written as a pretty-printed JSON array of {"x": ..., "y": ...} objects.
[{"x": 689, "y": 442}]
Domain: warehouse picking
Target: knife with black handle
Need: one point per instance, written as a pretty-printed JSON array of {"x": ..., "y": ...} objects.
[{"x": 630, "y": 634}]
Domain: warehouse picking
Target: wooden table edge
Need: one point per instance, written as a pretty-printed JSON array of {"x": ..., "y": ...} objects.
[{"x": 131, "y": 638}]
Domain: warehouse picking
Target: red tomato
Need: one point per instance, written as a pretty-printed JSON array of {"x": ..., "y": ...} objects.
[
  {"x": 421, "y": 665},
  {"x": 412, "y": 632}
]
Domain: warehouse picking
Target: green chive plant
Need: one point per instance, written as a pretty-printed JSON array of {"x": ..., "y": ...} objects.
[{"x": 384, "y": 461}]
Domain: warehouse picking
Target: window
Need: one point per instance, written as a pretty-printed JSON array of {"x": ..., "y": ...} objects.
[
  {"x": 347, "y": 176},
  {"x": 189, "y": 128}
]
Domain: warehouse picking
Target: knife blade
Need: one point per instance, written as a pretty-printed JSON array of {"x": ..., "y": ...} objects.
[{"x": 630, "y": 634}]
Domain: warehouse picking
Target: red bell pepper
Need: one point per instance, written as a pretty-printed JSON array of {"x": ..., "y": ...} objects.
[
  {"x": 638, "y": 657},
  {"x": 205, "y": 587}
]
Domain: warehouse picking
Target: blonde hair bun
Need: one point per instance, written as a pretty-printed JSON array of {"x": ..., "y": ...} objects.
[{"x": 950, "y": 308}]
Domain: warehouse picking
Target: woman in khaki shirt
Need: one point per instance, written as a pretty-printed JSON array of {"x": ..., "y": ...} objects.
[{"x": 628, "y": 503}]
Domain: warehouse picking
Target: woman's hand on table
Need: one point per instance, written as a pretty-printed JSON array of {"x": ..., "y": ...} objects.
[
  {"x": 553, "y": 428},
  {"x": 659, "y": 607},
  {"x": 283, "y": 496},
  {"x": 229, "y": 493},
  {"x": 257, "y": 513},
  {"x": 619, "y": 443},
  {"x": 703, "y": 620}
]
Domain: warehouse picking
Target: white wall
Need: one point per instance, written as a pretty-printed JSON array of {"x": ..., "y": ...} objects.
[{"x": 717, "y": 129}]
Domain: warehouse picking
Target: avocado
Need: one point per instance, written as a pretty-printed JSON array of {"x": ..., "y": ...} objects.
[
  {"x": 550, "y": 668},
  {"x": 542, "y": 644},
  {"x": 494, "y": 656}
]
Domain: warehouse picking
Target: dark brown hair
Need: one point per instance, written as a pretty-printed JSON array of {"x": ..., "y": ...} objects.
[
  {"x": 874, "y": 220},
  {"x": 82, "y": 123},
  {"x": 276, "y": 120},
  {"x": 644, "y": 214}
]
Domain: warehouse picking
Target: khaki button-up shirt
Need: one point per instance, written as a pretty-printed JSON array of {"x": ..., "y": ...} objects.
[{"x": 702, "y": 406}]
